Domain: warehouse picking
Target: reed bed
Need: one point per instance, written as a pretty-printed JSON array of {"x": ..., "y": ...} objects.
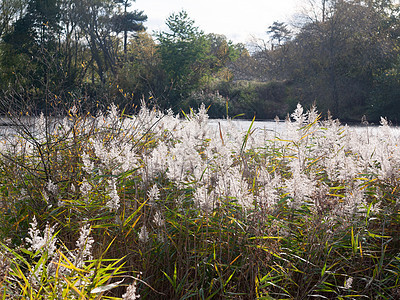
[{"x": 162, "y": 207}]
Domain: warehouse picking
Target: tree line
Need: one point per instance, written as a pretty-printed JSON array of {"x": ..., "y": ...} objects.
[
  {"x": 341, "y": 55},
  {"x": 97, "y": 51}
]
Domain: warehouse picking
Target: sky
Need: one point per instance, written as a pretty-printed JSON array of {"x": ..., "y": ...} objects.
[{"x": 239, "y": 21}]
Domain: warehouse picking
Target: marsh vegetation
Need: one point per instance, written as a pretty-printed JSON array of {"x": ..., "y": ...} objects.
[{"x": 167, "y": 207}]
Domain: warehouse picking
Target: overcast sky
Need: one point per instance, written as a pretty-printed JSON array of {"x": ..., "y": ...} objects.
[{"x": 238, "y": 20}]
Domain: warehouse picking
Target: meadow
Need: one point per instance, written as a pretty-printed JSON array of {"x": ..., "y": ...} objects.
[{"x": 160, "y": 206}]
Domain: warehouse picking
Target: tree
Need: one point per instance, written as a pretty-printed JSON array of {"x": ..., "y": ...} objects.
[
  {"x": 29, "y": 49},
  {"x": 99, "y": 22},
  {"x": 38, "y": 27},
  {"x": 141, "y": 75},
  {"x": 279, "y": 33},
  {"x": 63, "y": 45},
  {"x": 222, "y": 52},
  {"x": 384, "y": 99},
  {"x": 9, "y": 11},
  {"x": 184, "y": 52},
  {"x": 128, "y": 21}
]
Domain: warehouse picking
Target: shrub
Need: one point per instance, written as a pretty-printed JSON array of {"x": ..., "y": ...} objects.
[{"x": 263, "y": 100}]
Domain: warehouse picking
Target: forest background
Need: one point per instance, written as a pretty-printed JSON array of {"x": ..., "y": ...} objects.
[{"x": 342, "y": 56}]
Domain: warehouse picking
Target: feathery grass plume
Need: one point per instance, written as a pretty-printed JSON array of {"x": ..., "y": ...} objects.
[
  {"x": 113, "y": 201},
  {"x": 51, "y": 187},
  {"x": 299, "y": 187},
  {"x": 158, "y": 219},
  {"x": 204, "y": 199},
  {"x": 85, "y": 187},
  {"x": 37, "y": 242},
  {"x": 267, "y": 194},
  {"x": 84, "y": 246},
  {"x": 88, "y": 164},
  {"x": 153, "y": 194},
  {"x": 130, "y": 293},
  {"x": 348, "y": 283},
  {"x": 155, "y": 163},
  {"x": 143, "y": 234},
  {"x": 4, "y": 269}
]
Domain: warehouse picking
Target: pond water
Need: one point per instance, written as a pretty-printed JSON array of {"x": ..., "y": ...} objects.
[
  {"x": 280, "y": 126},
  {"x": 7, "y": 128},
  {"x": 245, "y": 124}
]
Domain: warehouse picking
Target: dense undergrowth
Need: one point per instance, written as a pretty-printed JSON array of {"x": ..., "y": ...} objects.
[{"x": 112, "y": 206}]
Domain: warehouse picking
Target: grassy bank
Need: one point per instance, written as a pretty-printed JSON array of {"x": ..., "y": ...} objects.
[{"x": 112, "y": 206}]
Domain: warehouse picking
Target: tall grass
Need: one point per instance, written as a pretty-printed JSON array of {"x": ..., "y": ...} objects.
[{"x": 116, "y": 206}]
